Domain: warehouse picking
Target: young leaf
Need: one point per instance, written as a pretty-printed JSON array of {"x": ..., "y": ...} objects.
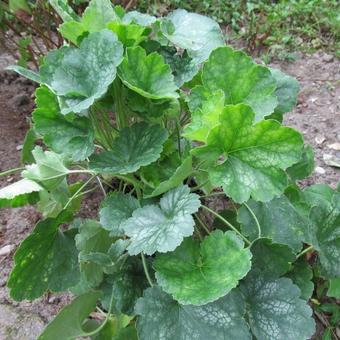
[
  {"x": 162, "y": 228},
  {"x": 45, "y": 260},
  {"x": 65, "y": 12},
  {"x": 72, "y": 137},
  {"x": 241, "y": 79},
  {"x": 49, "y": 169},
  {"x": 301, "y": 275},
  {"x": 279, "y": 220},
  {"x": 165, "y": 175},
  {"x": 29, "y": 74},
  {"x": 81, "y": 76},
  {"x": 161, "y": 317},
  {"x": 198, "y": 34},
  {"x": 129, "y": 35},
  {"x": 147, "y": 75},
  {"x": 271, "y": 260},
  {"x": 94, "y": 19},
  {"x": 136, "y": 146},
  {"x": 68, "y": 324},
  {"x": 28, "y": 146},
  {"x": 251, "y": 157},
  {"x": 274, "y": 309},
  {"x": 116, "y": 209},
  {"x": 19, "y": 193},
  {"x": 198, "y": 274}
]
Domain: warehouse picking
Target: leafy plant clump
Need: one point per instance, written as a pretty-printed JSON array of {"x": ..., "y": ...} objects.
[{"x": 164, "y": 118}]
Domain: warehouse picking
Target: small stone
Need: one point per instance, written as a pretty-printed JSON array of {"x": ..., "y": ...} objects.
[
  {"x": 334, "y": 146},
  {"x": 327, "y": 58},
  {"x": 319, "y": 139},
  {"x": 19, "y": 147},
  {"x": 331, "y": 160},
  {"x": 320, "y": 170},
  {"x": 6, "y": 249}
]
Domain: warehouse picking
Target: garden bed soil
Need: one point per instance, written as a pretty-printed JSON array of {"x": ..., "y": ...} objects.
[{"x": 317, "y": 116}]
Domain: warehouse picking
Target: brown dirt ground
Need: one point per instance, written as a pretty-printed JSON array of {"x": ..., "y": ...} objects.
[{"x": 317, "y": 116}]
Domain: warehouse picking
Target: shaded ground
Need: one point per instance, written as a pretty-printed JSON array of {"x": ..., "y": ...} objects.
[{"x": 317, "y": 116}]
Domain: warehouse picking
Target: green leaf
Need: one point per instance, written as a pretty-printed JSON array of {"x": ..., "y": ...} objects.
[
  {"x": 325, "y": 235},
  {"x": 198, "y": 34},
  {"x": 94, "y": 19},
  {"x": 19, "y": 193},
  {"x": 147, "y": 75},
  {"x": 128, "y": 284},
  {"x": 166, "y": 174},
  {"x": 279, "y": 221},
  {"x": 116, "y": 209},
  {"x": 129, "y": 35},
  {"x": 162, "y": 228},
  {"x": 91, "y": 239},
  {"x": 163, "y": 318},
  {"x": 68, "y": 324},
  {"x": 45, "y": 260},
  {"x": 205, "y": 118},
  {"x": 275, "y": 311},
  {"x": 63, "y": 9},
  {"x": 81, "y": 76},
  {"x": 304, "y": 167},
  {"x": 271, "y": 260},
  {"x": 49, "y": 169},
  {"x": 251, "y": 158},
  {"x": 29, "y": 74},
  {"x": 141, "y": 19},
  {"x": 70, "y": 136},
  {"x": 301, "y": 275},
  {"x": 136, "y": 146},
  {"x": 241, "y": 79},
  {"x": 197, "y": 274},
  {"x": 287, "y": 89},
  {"x": 28, "y": 146},
  {"x": 334, "y": 288}
]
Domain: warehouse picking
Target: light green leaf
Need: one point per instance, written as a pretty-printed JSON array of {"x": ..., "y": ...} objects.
[
  {"x": 275, "y": 311},
  {"x": 166, "y": 174},
  {"x": 116, "y": 209},
  {"x": 29, "y": 74},
  {"x": 241, "y": 79},
  {"x": 147, "y": 75},
  {"x": 251, "y": 158},
  {"x": 45, "y": 260},
  {"x": 271, "y": 260},
  {"x": 19, "y": 193},
  {"x": 198, "y": 34},
  {"x": 63, "y": 9},
  {"x": 304, "y": 167},
  {"x": 28, "y": 146},
  {"x": 129, "y": 35},
  {"x": 94, "y": 19},
  {"x": 49, "y": 169},
  {"x": 162, "y": 228},
  {"x": 205, "y": 118},
  {"x": 68, "y": 324},
  {"x": 91, "y": 239},
  {"x": 279, "y": 220},
  {"x": 136, "y": 146},
  {"x": 198, "y": 274},
  {"x": 334, "y": 288},
  {"x": 161, "y": 317},
  {"x": 301, "y": 275},
  {"x": 70, "y": 136},
  {"x": 287, "y": 89},
  {"x": 81, "y": 76},
  {"x": 141, "y": 19}
]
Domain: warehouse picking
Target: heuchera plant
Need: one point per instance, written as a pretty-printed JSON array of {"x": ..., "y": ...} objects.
[{"x": 167, "y": 121}]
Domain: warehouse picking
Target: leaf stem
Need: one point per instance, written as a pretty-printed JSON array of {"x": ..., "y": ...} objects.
[
  {"x": 202, "y": 224},
  {"x": 146, "y": 271},
  {"x": 227, "y": 223},
  {"x": 10, "y": 171},
  {"x": 119, "y": 106},
  {"x": 305, "y": 251},
  {"x": 255, "y": 219}
]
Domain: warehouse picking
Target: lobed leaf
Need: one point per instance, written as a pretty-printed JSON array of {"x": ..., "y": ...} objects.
[
  {"x": 162, "y": 228},
  {"x": 198, "y": 274}
]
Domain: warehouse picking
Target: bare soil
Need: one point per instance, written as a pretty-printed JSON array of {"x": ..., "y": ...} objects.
[{"x": 317, "y": 116}]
